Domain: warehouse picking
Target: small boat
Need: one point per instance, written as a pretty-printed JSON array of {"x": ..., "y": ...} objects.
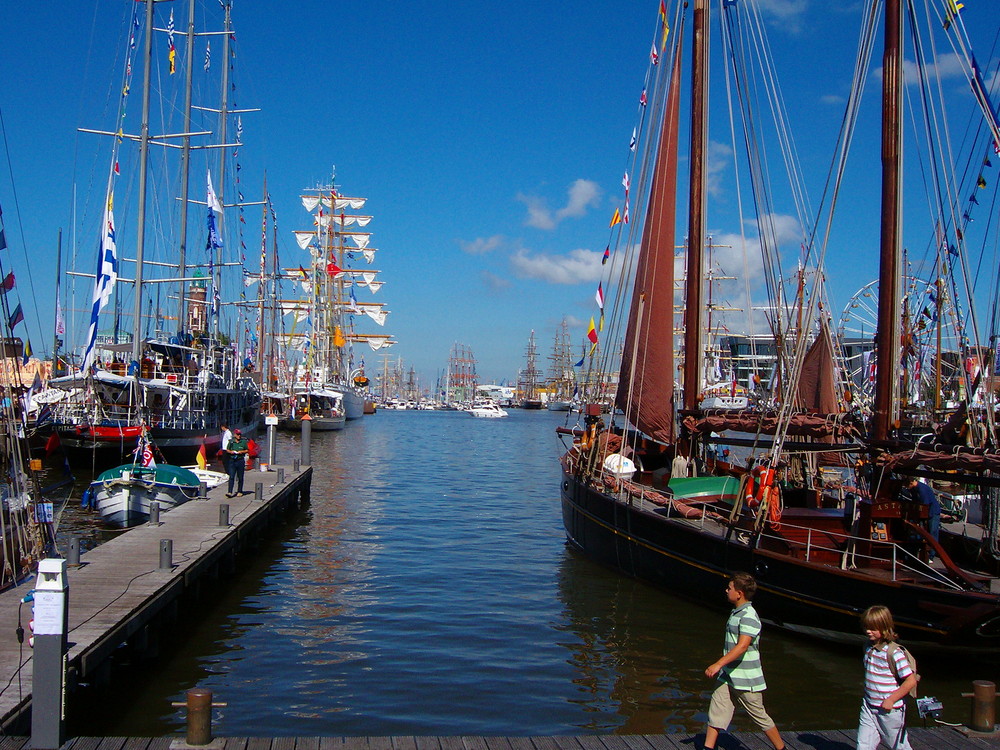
[
  {"x": 122, "y": 495},
  {"x": 486, "y": 410},
  {"x": 325, "y": 409}
]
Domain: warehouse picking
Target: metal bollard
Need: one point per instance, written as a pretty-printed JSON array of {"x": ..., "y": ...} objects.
[
  {"x": 258, "y": 491},
  {"x": 281, "y": 475},
  {"x": 202, "y": 489},
  {"x": 73, "y": 554},
  {"x": 295, "y": 465},
  {"x": 984, "y": 695},
  {"x": 306, "y": 440},
  {"x": 272, "y": 442},
  {"x": 166, "y": 554},
  {"x": 224, "y": 514},
  {"x": 154, "y": 513},
  {"x": 199, "y": 716}
]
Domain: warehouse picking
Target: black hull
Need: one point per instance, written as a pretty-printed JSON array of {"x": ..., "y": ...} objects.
[{"x": 808, "y": 598}]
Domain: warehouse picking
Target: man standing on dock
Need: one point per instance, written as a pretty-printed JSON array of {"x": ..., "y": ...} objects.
[
  {"x": 238, "y": 449},
  {"x": 739, "y": 670}
]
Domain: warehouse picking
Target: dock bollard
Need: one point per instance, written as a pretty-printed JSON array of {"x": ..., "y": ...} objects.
[
  {"x": 984, "y": 712},
  {"x": 73, "y": 554},
  {"x": 295, "y": 465},
  {"x": 258, "y": 491},
  {"x": 202, "y": 489},
  {"x": 281, "y": 475},
  {"x": 224, "y": 514},
  {"x": 306, "y": 439},
  {"x": 154, "y": 513},
  {"x": 166, "y": 554}
]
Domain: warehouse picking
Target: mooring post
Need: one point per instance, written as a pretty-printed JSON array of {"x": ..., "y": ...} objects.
[
  {"x": 224, "y": 514},
  {"x": 306, "y": 439},
  {"x": 199, "y": 716},
  {"x": 166, "y": 554},
  {"x": 48, "y": 680},
  {"x": 281, "y": 475},
  {"x": 296, "y": 463},
  {"x": 154, "y": 513},
  {"x": 984, "y": 713},
  {"x": 73, "y": 554},
  {"x": 258, "y": 491},
  {"x": 202, "y": 490}
]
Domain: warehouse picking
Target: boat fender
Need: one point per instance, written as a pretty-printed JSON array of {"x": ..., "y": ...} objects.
[{"x": 87, "y": 501}]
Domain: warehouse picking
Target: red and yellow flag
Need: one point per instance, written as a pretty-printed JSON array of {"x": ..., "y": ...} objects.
[{"x": 616, "y": 219}]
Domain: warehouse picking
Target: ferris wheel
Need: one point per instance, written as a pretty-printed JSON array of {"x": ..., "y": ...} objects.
[{"x": 930, "y": 335}]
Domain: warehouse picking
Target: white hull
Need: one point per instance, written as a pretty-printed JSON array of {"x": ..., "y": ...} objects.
[{"x": 127, "y": 503}]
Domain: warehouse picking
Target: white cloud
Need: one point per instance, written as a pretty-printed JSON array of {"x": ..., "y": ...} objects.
[
  {"x": 720, "y": 156},
  {"x": 787, "y": 13},
  {"x": 581, "y": 195},
  {"x": 482, "y": 245},
  {"x": 576, "y": 267}
]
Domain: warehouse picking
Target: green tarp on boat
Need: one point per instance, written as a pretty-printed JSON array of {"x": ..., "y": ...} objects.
[
  {"x": 724, "y": 488},
  {"x": 161, "y": 474}
]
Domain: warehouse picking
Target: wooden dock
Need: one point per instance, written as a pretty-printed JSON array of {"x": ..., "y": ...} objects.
[
  {"x": 120, "y": 594},
  {"x": 921, "y": 739}
]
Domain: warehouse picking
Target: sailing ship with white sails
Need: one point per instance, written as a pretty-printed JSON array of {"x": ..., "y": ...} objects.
[
  {"x": 178, "y": 384},
  {"x": 337, "y": 244}
]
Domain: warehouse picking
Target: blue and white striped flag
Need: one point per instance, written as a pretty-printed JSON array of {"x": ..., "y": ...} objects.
[{"x": 104, "y": 283}]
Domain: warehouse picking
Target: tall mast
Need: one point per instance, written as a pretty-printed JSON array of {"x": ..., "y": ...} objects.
[
  {"x": 185, "y": 171},
  {"x": 696, "y": 207},
  {"x": 143, "y": 159},
  {"x": 887, "y": 335},
  {"x": 220, "y": 186},
  {"x": 56, "y": 342}
]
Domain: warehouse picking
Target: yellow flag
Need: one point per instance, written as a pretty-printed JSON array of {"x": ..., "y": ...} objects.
[
  {"x": 338, "y": 337},
  {"x": 616, "y": 219}
]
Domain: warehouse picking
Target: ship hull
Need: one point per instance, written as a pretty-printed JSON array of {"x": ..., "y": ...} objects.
[{"x": 808, "y": 598}]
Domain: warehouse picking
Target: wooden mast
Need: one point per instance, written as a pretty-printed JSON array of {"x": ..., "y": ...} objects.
[
  {"x": 887, "y": 337},
  {"x": 696, "y": 209}
]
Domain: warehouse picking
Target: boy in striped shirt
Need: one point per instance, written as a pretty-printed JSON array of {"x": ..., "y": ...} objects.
[
  {"x": 739, "y": 670},
  {"x": 883, "y": 713}
]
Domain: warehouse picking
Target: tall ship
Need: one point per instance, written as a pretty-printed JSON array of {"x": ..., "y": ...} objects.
[
  {"x": 814, "y": 495},
  {"x": 136, "y": 373},
  {"x": 460, "y": 380},
  {"x": 562, "y": 379},
  {"x": 339, "y": 270},
  {"x": 529, "y": 377}
]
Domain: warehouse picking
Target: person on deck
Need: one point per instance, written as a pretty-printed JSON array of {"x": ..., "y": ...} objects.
[
  {"x": 739, "y": 670},
  {"x": 922, "y": 493},
  {"x": 238, "y": 449},
  {"x": 227, "y": 436}
]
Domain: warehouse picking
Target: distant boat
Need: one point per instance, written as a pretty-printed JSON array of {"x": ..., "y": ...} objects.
[
  {"x": 528, "y": 380},
  {"x": 486, "y": 410},
  {"x": 324, "y": 407}
]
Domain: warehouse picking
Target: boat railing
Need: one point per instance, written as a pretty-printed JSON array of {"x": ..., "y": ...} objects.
[{"x": 902, "y": 562}]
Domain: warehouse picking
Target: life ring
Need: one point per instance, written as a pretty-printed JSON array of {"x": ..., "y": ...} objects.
[{"x": 761, "y": 482}]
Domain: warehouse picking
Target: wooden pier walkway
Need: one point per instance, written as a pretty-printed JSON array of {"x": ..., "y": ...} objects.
[
  {"x": 119, "y": 594},
  {"x": 921, "y": 739}
]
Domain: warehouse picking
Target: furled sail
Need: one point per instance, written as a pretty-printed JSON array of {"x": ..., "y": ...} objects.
[{"x": 646, "y": 381}]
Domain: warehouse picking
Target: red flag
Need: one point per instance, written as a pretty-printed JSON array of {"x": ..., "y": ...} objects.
[
  {"x": 592, "y": 331},
  {"x": 8, "y": 282},
  {"x": 607, "y": 254},
  {"x": 202, "y": 457},
  {"x": 334, "y": 270},
  {"x": 52, "y": 444}
]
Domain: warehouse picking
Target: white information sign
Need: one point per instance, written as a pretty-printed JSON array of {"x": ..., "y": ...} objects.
[
  {"x": 49, "y": 612},
  {"x": 271, "y": 419}
]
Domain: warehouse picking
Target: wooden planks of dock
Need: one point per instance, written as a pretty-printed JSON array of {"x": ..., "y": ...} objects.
[
  {"x": 120, "y": 593},
  {"x": 938, "y": 738}
]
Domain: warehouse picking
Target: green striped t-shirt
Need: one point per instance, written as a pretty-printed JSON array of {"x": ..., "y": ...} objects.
[{"x": 745, "y": 673}]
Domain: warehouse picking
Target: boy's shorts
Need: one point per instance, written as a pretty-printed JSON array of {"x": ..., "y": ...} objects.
[{"x": 720, "y": 711}]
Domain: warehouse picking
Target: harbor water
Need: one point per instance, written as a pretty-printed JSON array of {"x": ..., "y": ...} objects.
[{"x": 428, "y": 590}]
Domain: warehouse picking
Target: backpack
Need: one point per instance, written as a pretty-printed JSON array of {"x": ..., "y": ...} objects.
[{"x": 890, "y": 657}]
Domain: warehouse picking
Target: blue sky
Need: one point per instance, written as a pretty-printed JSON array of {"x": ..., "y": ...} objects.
[{"x": 490, "y": 141}]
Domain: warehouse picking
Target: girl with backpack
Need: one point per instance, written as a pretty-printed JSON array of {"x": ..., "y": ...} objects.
[{"x": 883, "y": 713}]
